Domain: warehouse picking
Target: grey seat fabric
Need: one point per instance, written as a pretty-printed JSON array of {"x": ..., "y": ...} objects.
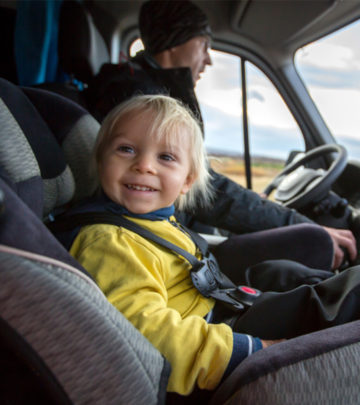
[
  {"x": 74, "y": 131},
  {"x": 94, "y": 353},
  {"x": 46, "y": 143},
  {"x": 319, "y": 368}
]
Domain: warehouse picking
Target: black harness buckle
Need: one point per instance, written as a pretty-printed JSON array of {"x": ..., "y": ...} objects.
[
  {"x": 208, "y": 279},
  {"x": 204, "y": 276}
]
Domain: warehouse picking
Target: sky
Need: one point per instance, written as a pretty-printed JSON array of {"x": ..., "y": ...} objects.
[{"x": 330, "y": 69}]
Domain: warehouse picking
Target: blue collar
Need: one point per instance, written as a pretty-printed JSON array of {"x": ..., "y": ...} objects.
[
  {"x": 102, "y": 202},
  {"x": 162, "y": 213}
]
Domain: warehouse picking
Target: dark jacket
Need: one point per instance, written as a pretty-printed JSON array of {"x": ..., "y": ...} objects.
[{"x": 235, "y": 208}]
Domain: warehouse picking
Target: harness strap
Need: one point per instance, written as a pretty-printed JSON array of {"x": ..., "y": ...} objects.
[
  {"x": 205, "y": 274},
  {"x": 89, "y": 218}
]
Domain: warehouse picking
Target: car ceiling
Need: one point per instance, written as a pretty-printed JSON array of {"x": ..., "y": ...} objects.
[{"x": 284, "y": 25}]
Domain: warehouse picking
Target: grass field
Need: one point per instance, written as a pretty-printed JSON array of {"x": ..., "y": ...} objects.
[{"x": 263, "y": 170}]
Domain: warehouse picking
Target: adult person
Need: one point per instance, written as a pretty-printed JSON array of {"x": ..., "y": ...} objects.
[{"x": 176, "y": 37}]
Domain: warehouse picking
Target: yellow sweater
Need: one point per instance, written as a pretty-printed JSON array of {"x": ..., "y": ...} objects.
[{"x": 152, "y": 287}]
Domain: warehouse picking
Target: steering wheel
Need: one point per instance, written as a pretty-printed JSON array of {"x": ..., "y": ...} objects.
[{"x": 296, "y": 185}]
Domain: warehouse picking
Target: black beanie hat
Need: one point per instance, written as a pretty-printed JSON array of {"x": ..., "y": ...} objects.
[{"x": 167, "y": 23}]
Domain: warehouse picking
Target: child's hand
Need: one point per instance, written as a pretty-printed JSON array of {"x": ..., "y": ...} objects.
[{"x": 267, "y": 343}]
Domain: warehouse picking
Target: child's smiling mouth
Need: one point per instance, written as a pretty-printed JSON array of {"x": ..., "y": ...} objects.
[{"x": 139, "y": 187}]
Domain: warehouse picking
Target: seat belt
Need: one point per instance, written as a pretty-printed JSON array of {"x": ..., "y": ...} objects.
[{"x": 205, "y": 274}]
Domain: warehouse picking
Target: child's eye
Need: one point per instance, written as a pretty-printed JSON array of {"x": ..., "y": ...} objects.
[
  {"x": 167, "y": 157},
  {"x": 125, "y": 149}
]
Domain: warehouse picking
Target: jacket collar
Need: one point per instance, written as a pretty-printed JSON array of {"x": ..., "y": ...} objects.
[{"x": 101, "y": 202}]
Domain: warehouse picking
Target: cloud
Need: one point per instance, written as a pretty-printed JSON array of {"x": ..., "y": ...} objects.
[
  {"x": 334, "y": 79},
  {"x": 339, "y": 51},
  {"x": 333, "y": 62},
  {"x": 269, "y": 110},
  {"x": 341, "y": 110},
  {"x": 328, "y": 56},
  {"x": 222, "y": 132},
  {"x": 255, "y": 95},
  {"x": 226, "y": 135},
  {"x": 220, "y": 89}
]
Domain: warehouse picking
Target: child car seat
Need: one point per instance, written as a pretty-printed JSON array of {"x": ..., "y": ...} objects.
[
  {"x": 58, "y": 325},
  {"x": 55, "y": 321}
]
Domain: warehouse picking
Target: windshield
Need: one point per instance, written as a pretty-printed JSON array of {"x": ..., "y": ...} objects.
[{"x": 330, "y": 68}]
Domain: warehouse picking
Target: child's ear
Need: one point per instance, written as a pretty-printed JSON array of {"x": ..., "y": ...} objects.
[{"x": 189, "y": 181}]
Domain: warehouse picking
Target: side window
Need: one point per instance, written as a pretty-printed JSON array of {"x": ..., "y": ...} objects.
[
  {"x": 219, "y": 95},
  {"x": 330, "y": 69},
  {"x": 272, "y": 130},
  {"x": 135, "y": 47}
]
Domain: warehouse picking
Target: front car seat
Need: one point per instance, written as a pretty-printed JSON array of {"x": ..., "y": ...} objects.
[{"x": 81, "y": 51}]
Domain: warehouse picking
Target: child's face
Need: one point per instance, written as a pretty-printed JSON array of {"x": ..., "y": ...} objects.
[{"x": 141, "y": 173}]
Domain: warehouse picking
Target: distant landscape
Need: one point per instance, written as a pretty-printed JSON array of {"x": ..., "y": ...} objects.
[{"x": 263, "y": 169}]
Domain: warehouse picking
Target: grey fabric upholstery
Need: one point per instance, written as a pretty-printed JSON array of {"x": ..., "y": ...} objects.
[
  {"x": 52, "y": 143},
  {"x": 318, "y": 368},
  {"x": 75, "y": 131},
  {"x": 16, "y": 155},
  {"x": 94, "y": 352},
  {"x": 331, "y": 379},
  {"x": 77, "y": 148},
  {"x": 21, "y": 228},
  {"x": 17, "y": 159}
]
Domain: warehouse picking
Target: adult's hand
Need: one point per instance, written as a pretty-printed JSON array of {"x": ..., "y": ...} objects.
[{"x": 342, "y": 238}]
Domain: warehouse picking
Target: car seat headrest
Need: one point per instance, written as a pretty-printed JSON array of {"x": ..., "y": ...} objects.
[
  {"x": 82, "y": 49},
  {"x": 45, "y": 147},
  {"x": 75, "y": 130}
]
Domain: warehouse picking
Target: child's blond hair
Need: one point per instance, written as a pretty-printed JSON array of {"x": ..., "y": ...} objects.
[{"x": 168, "y": 118}]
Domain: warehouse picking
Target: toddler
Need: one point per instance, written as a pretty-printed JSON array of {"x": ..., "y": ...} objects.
[{"x": 150, "y": 159}]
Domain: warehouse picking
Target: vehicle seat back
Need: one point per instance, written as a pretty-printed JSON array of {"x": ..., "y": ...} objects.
[
  {"x": 82, "y": 49},
  {"x": 77, "y": 53},
  {"x": 45, "y": 158},
  {"x": 7, "y": 55}
]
